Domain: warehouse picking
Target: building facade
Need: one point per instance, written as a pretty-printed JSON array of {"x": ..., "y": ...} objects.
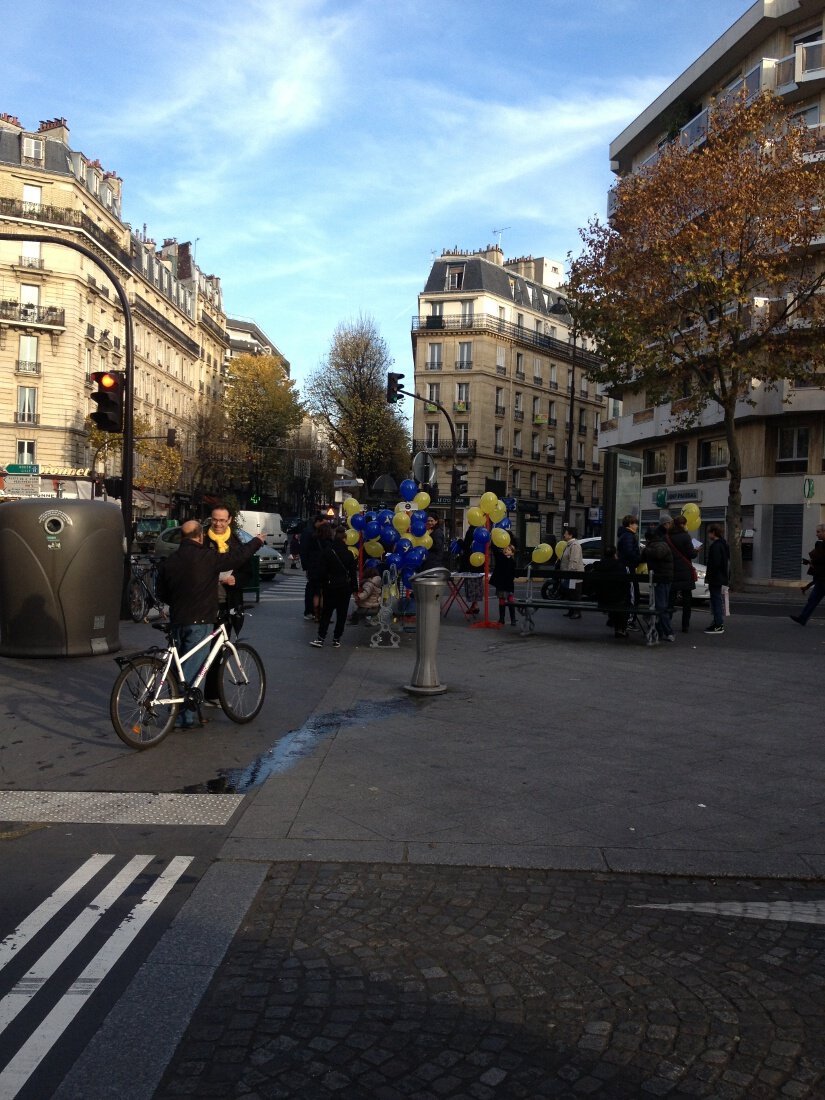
[
  {"x": 777, "y": 45},
  {"x": 61, "y": 318},
  {"x": 493, "y": 344}
]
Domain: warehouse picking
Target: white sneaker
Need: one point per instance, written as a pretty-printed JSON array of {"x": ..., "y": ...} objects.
[{"x": 317, "y": 642}]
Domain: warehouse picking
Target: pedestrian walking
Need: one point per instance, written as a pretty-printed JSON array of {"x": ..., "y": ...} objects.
[
  {"x": 816, "y": 571},
  {"x": 684, "y": 574},
  {"x": 658, "y": 557},
  {"x": 338, "y": 578},
  {"x": 295, "y": 551},
  {"x": 310, "y": 553},
  {"x": 629, "y": 554},
  {"x": 717, "y": 576}
]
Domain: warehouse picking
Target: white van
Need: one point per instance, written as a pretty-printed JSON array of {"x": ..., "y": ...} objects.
[{"x": 268, "y": 525}]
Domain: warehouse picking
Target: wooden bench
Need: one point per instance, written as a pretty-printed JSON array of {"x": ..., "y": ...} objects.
[{"x": 528, "y": 604}]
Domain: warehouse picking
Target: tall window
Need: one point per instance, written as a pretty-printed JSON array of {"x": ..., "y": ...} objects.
[
  {"x": 462, "y": 436},
  {"x": 534, "y": 485},
  {"x": 680, "y": 462},
  {"x": 519, "y": 365},
  {"x": 499, "y": 440},
  {"x": 431, "y": 431},
  {"x": 536, "y": 407},
  {"x": 26, "y": 405},
  {"x": 518, "y": 402},
  {"x": 26, "y": 451},
  {"x": 29, "y": 300},
  {"x": 654, "y": 467},
  {"x": 712, "y": 460},
  {"x": 548, "y": 486},
  {"x": 534, "y": 446},
  {"x": 792, "y": 451},
  {"x": 582, "y": 420},
  {"x": 455, "y": 278},
  {"x": 499, "y": 398},
  {"x": 462, "y": 394},
  {"x": 552, "y": 417},
  {"x": 554, "y": 382},
  {"x": 465, "y": 354},
  {"x": 517, "y": 442},
  {"x": 30, "y": 254},
  {"x": 433, "y": 391},
  {"x": 500, "y": 367},
  {"x": 433, "y": 357},
  {"x": 516, "y": 480},
  {"x": 466, "y": 313},
  {"x": 580, "y": 454},
  {"x": 27, "y": 355}
]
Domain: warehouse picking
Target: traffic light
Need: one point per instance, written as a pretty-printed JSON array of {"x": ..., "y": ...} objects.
[
  {"x": 109, "y": 399},
  {"x": 171, "y": 436},
  {"x": 459, "y": 481},
  {"x": 394, "y": 387},
  {"x": 114, "y": 487}
]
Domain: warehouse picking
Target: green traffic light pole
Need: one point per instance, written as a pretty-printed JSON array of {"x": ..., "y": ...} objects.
[{"x": 127, "y": 467}]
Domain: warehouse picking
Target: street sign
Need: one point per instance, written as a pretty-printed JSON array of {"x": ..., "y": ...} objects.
[
  {"x": 20, "y": 485},
  {"x": 424, "y": 468},
  {"x": 347, "y": 483},
  {"x": 808, "y": 487},
  {"x": 23, "y": 468}
]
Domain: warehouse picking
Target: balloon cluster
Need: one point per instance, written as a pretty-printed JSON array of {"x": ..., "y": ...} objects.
[
  {"x": 544, "y": 551},
  {"x": 491, "y": 525},
  {"x": 401, "y": 533},
  {"x": 693, "y": 516}
]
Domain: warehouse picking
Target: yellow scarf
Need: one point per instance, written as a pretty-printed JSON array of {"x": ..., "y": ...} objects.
[{"x": 221, "y": 541}]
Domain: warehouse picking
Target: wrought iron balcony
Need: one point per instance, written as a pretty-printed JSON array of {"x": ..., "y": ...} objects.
[
  {"x": 485, "y": 322},
  {"x": 500, "y": 410},
  {"x": 63, "y": 216},
  {"x": 466, "y": 448},
  {"x": 48, "y": 316},
  {"x": 26, "y": 417},
  {"x": 25, "y": 366}
]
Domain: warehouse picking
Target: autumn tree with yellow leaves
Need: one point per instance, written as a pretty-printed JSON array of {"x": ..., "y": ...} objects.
[{"x": 707, "y": 281}]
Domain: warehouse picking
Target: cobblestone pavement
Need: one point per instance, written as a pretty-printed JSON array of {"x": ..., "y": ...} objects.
[{"x": 389, "y": 981}]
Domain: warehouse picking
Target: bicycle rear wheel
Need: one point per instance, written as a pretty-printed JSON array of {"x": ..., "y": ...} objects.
[
  {"x": 138, "y": 603},
  {"x": 241, "y": 683},
  {"x": 140, "y": 719}
]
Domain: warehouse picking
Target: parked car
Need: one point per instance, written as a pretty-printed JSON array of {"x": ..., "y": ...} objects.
[
  {"x": 271, "y": 561},
  {"x": 592, "y": 552}
]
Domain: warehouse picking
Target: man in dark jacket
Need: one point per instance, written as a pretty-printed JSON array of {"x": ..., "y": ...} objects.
[
  {"x": 188, "y": 582},
  {"x": 816, "y": 570},
  {"x": 629, "y": 554},
  {"x": 311, "y": 561},
  {"x": 339, "y": 580},
  {"x": 659, "y": 560},
  {"x": 717, "y": 576}
]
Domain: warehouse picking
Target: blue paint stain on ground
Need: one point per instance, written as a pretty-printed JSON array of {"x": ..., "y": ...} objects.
[{"x": 296, "y": 745}]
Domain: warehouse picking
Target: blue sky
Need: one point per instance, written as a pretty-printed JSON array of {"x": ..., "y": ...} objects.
[{"x": 321, "y": 152}]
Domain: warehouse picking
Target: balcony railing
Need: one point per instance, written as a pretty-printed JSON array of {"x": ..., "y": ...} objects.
[
  {"x": 25, "y": 366},
  {"x": 500, "y": 410},
  {"x": 33, "y": 262},
  {"x": 500, "y": 368},
  {"x": 535, "y": 456},
  {"x": 434, "y": 365},
  {"x": 498, "y": 449},
  {"x": 461, "y": 406},
  {"x": 484, "y": 322},
  {"x": 538, "y": 380},
  {"x": 813, "y": 59},
  {"x": 518, "y": 452},
  {"x": 463, "y": 364},
  {"x": 213, "y": 327},
  {"x": 518, "y": 414},
  {"x": 26, "y": 417},
  {"x": 61, "y": 215},
  {"x": 33, "y": 315},
  {"x": 520, "y": 375},
  {"x": 539, "y": 420},
  {"x": 552, "y": 384},
  {"x": 466, "y": 449}
]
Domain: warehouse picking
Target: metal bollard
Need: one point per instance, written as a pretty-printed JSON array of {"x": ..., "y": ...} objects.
[{"x": 429, "y": 587}]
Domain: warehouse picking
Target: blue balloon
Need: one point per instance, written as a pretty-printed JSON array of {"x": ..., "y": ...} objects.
[
  {"x": 416, "y": 556},
  {"x": 482, "y": 536},
  {"x": 418, "y": 527},
  {"x": 393, "y": 559},
  {"x": 389, "y": 536},
  {"x": 408, "y": 489},
  {"x": 418, "y": 515},
  {"x": 369, "y": 516},
  {"x": 385, "y": 516},
  {"x": 504, "y": 524},
  {"x": 372, "y": 530},
  {"x": 357, "y": 521},
  {"x": 456, "y": 546},
  {"x": 403, "y": 546}
]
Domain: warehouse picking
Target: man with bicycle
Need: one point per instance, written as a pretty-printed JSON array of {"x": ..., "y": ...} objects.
[{"x": 188, "y": 582}]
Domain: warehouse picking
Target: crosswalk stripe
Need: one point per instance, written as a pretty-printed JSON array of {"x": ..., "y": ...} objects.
[
  {"x": 34, "y": 980},
  {"x": 48, "y": 908},
  {"x": 41, "y": 1041}
]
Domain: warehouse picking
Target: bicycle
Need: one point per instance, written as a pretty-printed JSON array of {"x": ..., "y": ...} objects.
[
  {"x": 141, "y": 590},
  {"x": 150, "y": 688}
]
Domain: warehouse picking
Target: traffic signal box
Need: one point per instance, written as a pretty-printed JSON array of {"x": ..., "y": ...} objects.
[
  {"x": 109, "y": 397},
  {"x": 459, "y": 486},
  {"x": 394, "y": 387}
]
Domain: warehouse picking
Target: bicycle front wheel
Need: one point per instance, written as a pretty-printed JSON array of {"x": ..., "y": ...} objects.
[
  {"x": 141, "y": 714},
  {"x": 241, "y": 683},
  {"x": 138, "y": 604}
]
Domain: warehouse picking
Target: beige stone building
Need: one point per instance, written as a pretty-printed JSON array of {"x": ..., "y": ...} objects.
[
  {"x": 61, "y": 317},
  {"x": 778, "y": 45},
  {"x": 493, "y": 344}
]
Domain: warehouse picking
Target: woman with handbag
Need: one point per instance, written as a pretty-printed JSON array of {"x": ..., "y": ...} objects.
[{"x": 684, "y": 575}]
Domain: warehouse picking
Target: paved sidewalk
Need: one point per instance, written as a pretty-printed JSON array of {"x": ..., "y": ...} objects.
[{"x": 433, "y": 905}]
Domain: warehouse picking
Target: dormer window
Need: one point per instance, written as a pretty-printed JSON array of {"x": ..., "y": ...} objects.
[
  {"x": 32, "y": 149},
  {"x": 455, "y": 278}
]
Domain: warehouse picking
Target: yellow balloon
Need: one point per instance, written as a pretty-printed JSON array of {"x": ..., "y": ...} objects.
[
  {"x": 374, "y": 548},
  {"x": 542, "y": 553},
  {"x": 500, "y": 537},
  {"x": 401, "y": 522},
  {"x": 350, "y": 506},
  {"x": 426, "y": 541},
  {"x": 475, "y": 517},
  {"x": 353, "y": 550},
  {"x": 499, "y": 512},
  {"x": 691, "y": 511},
  {"x": 560, "y": 547},
  {"x": 421, "y": 501},
  {"x": 488, "y": 502},
  {"x": 694, "y": 524},
  {"x": 351, "y": 537},
  {"x": 477, "y": 558}
]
